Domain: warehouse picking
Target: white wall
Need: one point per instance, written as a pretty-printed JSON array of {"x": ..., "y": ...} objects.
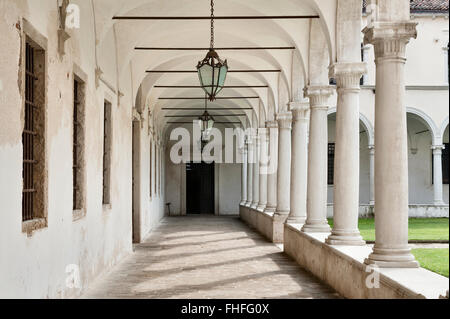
[{"x": 34, "y": 266}]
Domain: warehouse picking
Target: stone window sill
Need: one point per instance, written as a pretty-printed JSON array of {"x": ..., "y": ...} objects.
[{"x": 30, "y": 226}]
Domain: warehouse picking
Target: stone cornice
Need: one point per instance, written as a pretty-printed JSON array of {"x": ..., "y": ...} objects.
[{"x": 284, "y": 120}]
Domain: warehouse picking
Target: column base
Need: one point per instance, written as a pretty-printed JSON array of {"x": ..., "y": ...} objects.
[
  {"x": 247, "y": 204},
  {"x": 261, "y": 207},
  {"x": 242, "y": 203},
  {"x": 270, "y": 210},
  {"x": 392, "y": 258},
  {"x": 439, "y": 203},
  {"x": 254, "y": 205},
  {"x": 316, "y": 227},
  {"x": 348, "y": 238},
  {"x": 296, "y": 220}
]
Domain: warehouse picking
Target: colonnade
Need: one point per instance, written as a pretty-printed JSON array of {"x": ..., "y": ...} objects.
[{"x": 297, "y": 192}]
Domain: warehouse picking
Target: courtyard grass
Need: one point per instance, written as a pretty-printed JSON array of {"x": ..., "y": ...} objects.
[
  {"x": 420, "y": 229},
  {"x": 434, "y": 259}
]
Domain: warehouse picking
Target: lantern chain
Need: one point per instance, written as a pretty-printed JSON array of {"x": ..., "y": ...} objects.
[{"x": 212, "y": 24}]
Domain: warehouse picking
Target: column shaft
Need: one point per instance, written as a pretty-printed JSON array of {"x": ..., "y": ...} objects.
[
  {"x": 391, "y": 157},
  {"x": 244, "y": 176},
  {"x": 316, "y": 205},
  {"x": 249, "y": 172},
  {"x": 284, "y": 163},
  {"x": 263, "y": 167},
  {"x": 437, "y": 174},
  {"x": 255, "y": 197},
  {"x": 346, "y": 162},
  {"x": 371, "y": 175},
  {"x": 272, "y": 177},
  {"x": 299, "y": 162}
]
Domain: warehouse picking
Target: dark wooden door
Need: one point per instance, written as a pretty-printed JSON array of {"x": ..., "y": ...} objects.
[{"x": 199, "y": 188}]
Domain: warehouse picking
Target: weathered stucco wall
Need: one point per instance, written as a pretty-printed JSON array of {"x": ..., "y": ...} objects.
[{"x": 35, "y": 266}]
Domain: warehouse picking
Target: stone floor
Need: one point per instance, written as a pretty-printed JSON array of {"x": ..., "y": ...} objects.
[{"x": 208, "y": 257}]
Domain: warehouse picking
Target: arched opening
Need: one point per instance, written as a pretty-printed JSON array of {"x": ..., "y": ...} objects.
[
  {"x": 420, "y": 160},
  {"x": 366, "y": 144}
]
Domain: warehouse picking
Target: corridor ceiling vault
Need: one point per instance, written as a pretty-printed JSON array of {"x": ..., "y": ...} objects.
[{"x": 274, "y": 49}]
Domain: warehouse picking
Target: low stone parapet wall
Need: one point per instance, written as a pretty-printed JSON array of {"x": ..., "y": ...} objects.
[
  {"x": 418, "y": 211},
  {"x": 343, "y": 268}
]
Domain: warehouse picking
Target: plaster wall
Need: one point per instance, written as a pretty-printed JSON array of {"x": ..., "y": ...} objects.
[{"x": 35, "y": 266}]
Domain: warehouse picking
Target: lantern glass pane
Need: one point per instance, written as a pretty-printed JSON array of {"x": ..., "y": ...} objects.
[
  {"x": 223, "y": 75},
  {"x": 210, "y": 124},
  {"x": 205, "y": 75}
]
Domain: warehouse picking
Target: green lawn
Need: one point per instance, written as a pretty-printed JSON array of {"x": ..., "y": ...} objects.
[
  {"x": 419, "y": 228},
  {"x": 434, "y": 259}
]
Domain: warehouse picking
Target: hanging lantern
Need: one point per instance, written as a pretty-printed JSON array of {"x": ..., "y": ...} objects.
[
  {"x": 212, "y": 71},
  {"x": 206, "y": 122}
]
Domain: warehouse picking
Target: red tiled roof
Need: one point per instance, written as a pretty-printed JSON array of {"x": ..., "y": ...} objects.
[
  {"x": 429, "y": 6},
  {"x": 438, "y": 6}
]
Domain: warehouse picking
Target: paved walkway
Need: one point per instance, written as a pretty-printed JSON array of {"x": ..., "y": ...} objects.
[{"x": 208, "y": 257}]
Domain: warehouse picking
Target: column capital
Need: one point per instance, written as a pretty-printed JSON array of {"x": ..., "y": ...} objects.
[
  {"x": 300, "y": 111},
  {"x": 390, "y": 38},
  {"x": 347, "y": 74},
  {"x": 437, "y": 149},
  {"x": 318, "y": 95},
  {"x": 284, "y": 120},
  {"x": 271, "y": 124},
  {"x": 371, "y": 148},
  {"x": 243, "y": 150}
]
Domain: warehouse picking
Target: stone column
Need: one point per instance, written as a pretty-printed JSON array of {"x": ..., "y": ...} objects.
[
  {"x": 243, "y": 176},
  {"x": 272, "y": 177},
  {"x": 371, "y": 175},
  {"x": 391, "y": 157},
  {"x": 299, "y": 162},
  {"x": 346, "y": 161},
  {"x": 316, "y": 204},
  {"x": 249, "y": 171},
  {"x": 263, "y": 167},
  {"x": 437, "y": 174},
  {"x": 255, "y": 197},
  {"x": 284, "y": 164}
]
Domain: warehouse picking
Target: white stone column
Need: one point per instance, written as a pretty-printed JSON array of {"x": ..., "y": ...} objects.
[
  {"x": 263, "y": 167},
  {"x": 391, "y": 157},
  {"x": 371, "y": 175},
  {"x": 249, "y": 171},
  {"x": 299, "y": 162},
  {"x": 284, "y": 164},
  {"x": 346, "y": 161},
  {"x": 255, "y": 197},
  {"x": 437, "y": 174},
  {"x": 243, "y": 175},
  {"x": 272, "y": 177},
  {"x": 316, "y": 204}
]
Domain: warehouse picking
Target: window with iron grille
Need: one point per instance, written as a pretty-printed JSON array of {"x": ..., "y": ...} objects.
[
  {"x": 33, "y": 135},
  {"x": 78, "y": 143},
  {"x": 331, "y": 147},
  {"x": 107, "y": 138}
]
